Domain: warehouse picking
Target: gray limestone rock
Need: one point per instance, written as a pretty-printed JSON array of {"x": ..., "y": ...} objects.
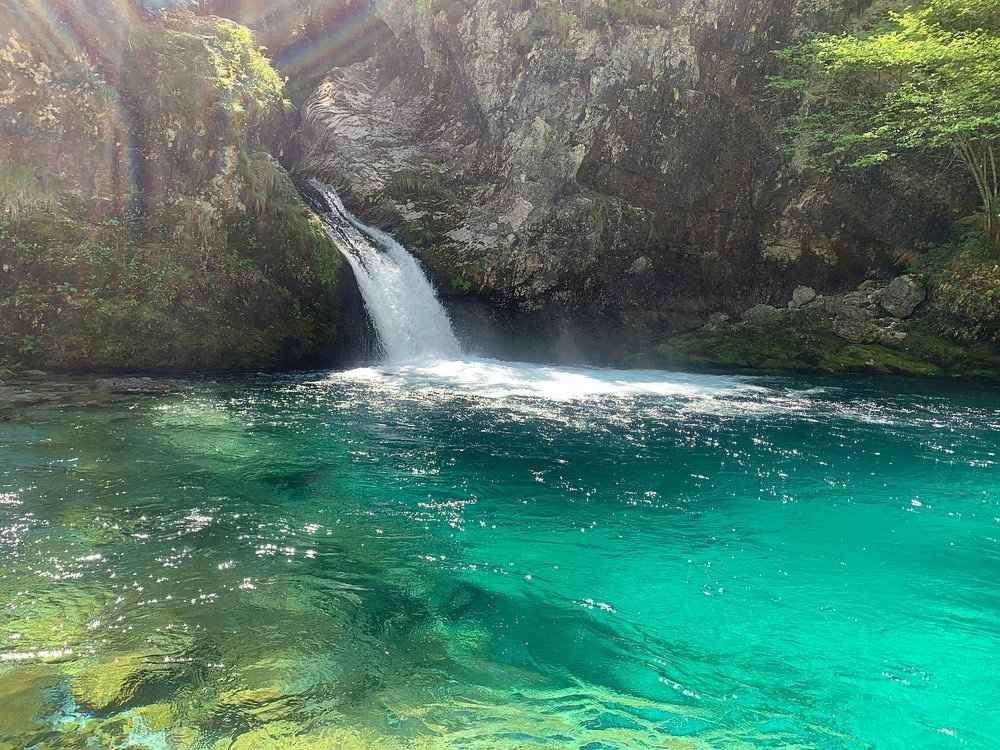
[
  {"x": 802, "y": 296},
  {"x": 903, "y": 295},
  {"x": 761, "y": 314},
  {"x": 135, "y": 386}
]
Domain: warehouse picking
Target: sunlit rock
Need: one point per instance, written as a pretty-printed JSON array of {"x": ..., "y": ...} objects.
[
  {"x": 288, "y": 735},
  {"x": 100, "y": 685},
  {"x": 115, "y": 156},
  {"x": 24, "y": 696}
]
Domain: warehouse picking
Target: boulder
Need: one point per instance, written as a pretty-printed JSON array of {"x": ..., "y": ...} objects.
[
  {"x": 857, "y": 299},
  {"x": 903, "y": 295},
  {"x": 891, "y": 336},
  {"x": 851, "y": 324},
  {"x": 802, "y": 296},
  {"x": 716, "y": 321},
  {"x": 761, "y": 314},
  {"x": 135, "y": 386},
  {"x": 641, "y": 266}
]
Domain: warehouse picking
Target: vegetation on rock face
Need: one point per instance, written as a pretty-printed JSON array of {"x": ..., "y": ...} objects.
[
  {"x": 806, "y": 346},
  {"x": 964, "y": 276},
  {"x": 923, "y": 80},
  {"x": 172, "y": 239}
]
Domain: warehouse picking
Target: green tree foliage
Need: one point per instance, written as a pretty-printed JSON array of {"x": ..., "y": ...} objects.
[{"x": 925, "y": 79}]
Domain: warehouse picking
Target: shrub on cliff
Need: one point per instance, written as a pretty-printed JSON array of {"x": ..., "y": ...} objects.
[
  {"x": 924, "y": 80},
  {"x": 967, "y": 287}
]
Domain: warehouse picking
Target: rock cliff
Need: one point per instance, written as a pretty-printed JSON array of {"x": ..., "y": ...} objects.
[
  {"x": 602, "y": 159},
  {"x": 143, "y": 221},
  {"x": 609, "y": 175}
]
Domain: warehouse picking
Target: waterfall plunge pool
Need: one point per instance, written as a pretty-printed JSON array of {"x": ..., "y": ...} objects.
[
  {"x": 476, "y": 554},
  {"x": 453, "y": 552}
]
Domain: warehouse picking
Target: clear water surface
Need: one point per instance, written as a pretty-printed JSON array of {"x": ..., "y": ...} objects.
[{"x": 473, "y": 554}]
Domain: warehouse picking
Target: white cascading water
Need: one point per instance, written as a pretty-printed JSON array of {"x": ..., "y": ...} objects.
[
  {"x": 409, "y": 319},
  {"x": 421, "y": 354}
]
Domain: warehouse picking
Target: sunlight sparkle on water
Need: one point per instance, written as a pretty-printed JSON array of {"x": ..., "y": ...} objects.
[{"x": 483, "y": 555}]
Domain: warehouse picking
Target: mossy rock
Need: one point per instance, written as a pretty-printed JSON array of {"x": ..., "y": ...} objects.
[
  {"x": 88, "y": 297},
  {"x": 142, "y": 728},
  {"x": 805, "y": 344},
  {"x": 194, "y": 251},
  {"x": 156, "y": 717},
  {"x": 111, "y": 684},
  {"x": 23, "y": 698},
  {"x": 259, "y": 704},
  {"x": 287, "y": 735}
]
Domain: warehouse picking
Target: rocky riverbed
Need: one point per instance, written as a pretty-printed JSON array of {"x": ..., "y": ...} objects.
[
  {"x": 36, "y": 388},
  {"x": 881, "y": 327}
]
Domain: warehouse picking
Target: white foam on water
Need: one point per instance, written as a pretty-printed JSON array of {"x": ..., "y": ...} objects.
[
  {"x": 495, "y": 379},
  {"x": 422, "y": 356}
]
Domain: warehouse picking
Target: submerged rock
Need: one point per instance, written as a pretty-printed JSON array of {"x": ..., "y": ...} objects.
[
  {"x": 289, "y": 735},
  {"x": 136, "y": 386},
  {"x": 263, "y": 704},
  {"x": 11, "y": 396},
  {"x": 102, "y": 685},
  {"x": 23, "y": 693}
]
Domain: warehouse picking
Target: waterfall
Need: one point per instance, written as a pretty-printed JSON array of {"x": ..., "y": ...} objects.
[{"x": 409, "y": 319}]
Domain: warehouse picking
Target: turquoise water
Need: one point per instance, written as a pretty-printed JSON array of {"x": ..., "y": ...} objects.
[{"x": 482, "y": 555}]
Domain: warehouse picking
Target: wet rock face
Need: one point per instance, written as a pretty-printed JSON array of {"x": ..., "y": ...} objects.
[
  {"x": 603, "y": 155},
  {"x": 544, "y": 149}
]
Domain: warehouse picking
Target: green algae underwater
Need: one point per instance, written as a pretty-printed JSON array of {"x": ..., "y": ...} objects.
[{"x": 486, "y": 555}]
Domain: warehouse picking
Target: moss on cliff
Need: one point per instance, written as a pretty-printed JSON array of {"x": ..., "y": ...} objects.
[
  {"x": 262, "y": 291},
  {"x": 808, "y": 346},
  {"x": 630, "y": 11},
  {"x": 426, "y": 208},
  {"x": 181, "y": 243},
  {"x": 965, "y": 282}
]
